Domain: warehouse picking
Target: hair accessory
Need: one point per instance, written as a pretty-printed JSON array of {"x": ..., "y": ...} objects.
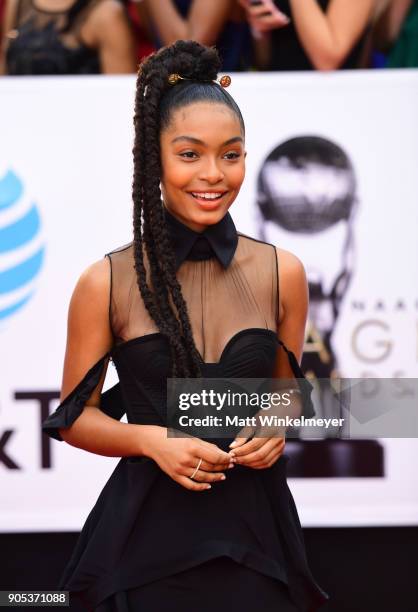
[
  {"x": 174, "y": 78},
  {"x": 225, "y": 81}
]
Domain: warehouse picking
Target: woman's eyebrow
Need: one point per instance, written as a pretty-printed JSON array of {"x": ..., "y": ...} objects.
[{"x": 200, "y": 142}]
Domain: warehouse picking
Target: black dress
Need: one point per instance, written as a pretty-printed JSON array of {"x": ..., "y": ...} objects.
[{"x": 150, "y": 544}]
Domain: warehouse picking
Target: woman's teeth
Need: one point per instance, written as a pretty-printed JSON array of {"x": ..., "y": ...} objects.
[{"x": 206, "y": 196}]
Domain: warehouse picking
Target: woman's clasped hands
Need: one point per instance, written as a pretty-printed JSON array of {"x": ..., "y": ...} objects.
[
  {"x": 258, "y": 447},
  {"x": 196, "y": 463}
]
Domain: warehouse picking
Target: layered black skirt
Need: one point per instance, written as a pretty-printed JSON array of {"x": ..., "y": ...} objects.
[{"x": 218, "y": 584}]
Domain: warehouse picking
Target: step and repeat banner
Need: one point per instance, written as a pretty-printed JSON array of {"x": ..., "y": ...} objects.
[{"x": 331, "y": 176}]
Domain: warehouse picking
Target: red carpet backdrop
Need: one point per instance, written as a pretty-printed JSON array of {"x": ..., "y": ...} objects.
[{"x": 331, "y": 176}]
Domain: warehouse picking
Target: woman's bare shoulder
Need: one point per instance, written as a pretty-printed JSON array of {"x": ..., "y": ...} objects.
[
  {"x": 293, "y": 284},
  {"x": 89, "y": 304},
  {"x": 94, "y": 281},
  {"x": 89, "y": 335},
  {"x": 289, "y": 263}
]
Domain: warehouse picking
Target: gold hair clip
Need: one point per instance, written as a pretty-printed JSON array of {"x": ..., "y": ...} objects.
[
  {"x": 174, "y": 78},
  {"x": 225, "y": 81}
]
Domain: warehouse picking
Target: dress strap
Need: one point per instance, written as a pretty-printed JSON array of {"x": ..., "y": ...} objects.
[
  {"x": 305, "y": 386},
  {"x": 294, "y": 364},
  {"x": 73, "y": 405}
]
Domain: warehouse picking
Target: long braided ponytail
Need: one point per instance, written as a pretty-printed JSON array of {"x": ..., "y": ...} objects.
[{"x": 155, "y": 100}]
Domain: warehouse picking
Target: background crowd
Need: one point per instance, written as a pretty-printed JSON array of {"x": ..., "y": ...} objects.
[{"x": 50, "y": 37}]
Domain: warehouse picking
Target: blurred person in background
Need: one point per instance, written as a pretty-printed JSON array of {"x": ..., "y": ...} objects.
[
  {"x": 144, "y": 44},
  {"x": 309, "y": 34},
  {"x": 56, "y": 37},
  {"x": 220, "y": 22},
  {"x": 395, "y": 35}
]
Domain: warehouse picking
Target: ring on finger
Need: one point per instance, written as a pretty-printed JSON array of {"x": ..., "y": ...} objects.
[{"x": 196, "y": 469}]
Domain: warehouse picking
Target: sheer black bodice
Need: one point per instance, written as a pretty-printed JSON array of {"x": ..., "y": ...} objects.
[
  {"x": 144, "y": 525},
  {"x": 41, "y": 42}
]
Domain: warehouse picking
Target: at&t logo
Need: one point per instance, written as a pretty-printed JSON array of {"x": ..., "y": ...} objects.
[{"x": 21, "y": 246}]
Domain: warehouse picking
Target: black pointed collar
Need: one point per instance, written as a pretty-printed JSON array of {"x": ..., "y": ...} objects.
[{"x": 219, "y": 240}]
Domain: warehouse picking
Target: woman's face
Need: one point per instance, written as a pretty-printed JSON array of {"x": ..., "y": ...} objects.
[{"x": 203, "y": 163}]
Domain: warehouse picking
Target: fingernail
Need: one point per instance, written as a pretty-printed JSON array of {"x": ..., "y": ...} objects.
[
  {"x": 208, "y": 486},
  {"x": 222, "y": 477},
  {"x": 231, "y": 465},
  {"x": 232, "y": 444}
]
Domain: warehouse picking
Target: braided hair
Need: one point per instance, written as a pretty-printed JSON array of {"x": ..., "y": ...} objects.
[{"x": 155, "y": 102}]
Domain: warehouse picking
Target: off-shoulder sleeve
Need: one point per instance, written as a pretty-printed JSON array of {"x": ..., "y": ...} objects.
[
  {"x": 304, "y": 385},
  {"x": 73, "y": 405}
]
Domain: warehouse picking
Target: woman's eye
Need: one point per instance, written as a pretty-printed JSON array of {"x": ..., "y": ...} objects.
[
  {"x": 188, "y": 154},
  {"x": 232, "y": 155}
]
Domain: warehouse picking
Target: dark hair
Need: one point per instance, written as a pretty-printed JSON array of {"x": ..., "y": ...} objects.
[{"x": 155, "y": 102}]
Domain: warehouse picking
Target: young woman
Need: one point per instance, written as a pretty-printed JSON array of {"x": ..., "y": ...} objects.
[{"x": 175, "y": 528}]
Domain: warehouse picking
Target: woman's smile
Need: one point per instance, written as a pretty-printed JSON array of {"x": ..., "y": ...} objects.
[{"x": 208, "y": 200}]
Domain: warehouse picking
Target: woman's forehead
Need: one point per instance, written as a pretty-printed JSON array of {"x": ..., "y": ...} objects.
[{"x": 201, "y": 115}]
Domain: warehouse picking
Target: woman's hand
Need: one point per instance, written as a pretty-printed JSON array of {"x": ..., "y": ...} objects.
[
  {"x": 179, "y": 457},
  {"x": 258, "y": 453},
  {"x": 265, "y": 16}
]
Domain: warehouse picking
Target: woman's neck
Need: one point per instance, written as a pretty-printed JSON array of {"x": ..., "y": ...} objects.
[{"x": 199, "y": 229}]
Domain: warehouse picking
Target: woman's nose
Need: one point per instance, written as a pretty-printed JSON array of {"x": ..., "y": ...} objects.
[{"x": 211, "y": 172}]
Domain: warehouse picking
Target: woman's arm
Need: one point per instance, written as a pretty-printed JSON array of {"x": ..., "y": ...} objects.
[
  {"x": 9, "y": 16},
  {"x": 204, "y": 22},
  {"x": 293, "y": 309},
  {"x": 89, "y": 337},
  {"x": 329, "y": 37},
  {"x": 109, "y": 31}
]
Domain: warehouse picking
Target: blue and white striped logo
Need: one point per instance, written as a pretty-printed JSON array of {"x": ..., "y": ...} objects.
[{"x": 21, "y": 246}]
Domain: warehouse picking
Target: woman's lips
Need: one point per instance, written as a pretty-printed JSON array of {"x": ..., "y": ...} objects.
[{"x": 208, "y": 199}]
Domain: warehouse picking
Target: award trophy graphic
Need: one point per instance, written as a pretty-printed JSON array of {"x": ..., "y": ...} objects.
[{"x": 306, "y": 202}]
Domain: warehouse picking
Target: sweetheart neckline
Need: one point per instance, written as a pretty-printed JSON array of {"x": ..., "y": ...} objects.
[{"x": 146, "y": 337}]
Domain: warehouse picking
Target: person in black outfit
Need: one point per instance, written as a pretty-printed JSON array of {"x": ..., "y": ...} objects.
[
  {"x": 45, "y": 37},
  {"x": 183, "y": 523}
]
